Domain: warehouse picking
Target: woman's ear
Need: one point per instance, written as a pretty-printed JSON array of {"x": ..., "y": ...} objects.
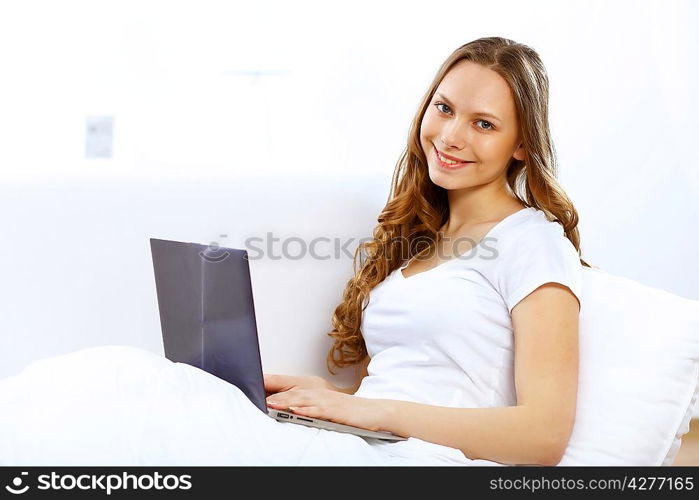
[{"x": 519, "y": 153}]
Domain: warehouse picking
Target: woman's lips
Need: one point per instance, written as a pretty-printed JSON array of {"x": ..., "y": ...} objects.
[{"x": 447, "y": 166}]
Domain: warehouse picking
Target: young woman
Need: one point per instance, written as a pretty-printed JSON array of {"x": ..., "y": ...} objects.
[
  {"x": 473, "y": 344},
  {"x": 462, "y": 320}
]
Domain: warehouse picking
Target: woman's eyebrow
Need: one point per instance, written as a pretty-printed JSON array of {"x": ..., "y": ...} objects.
[{"x": 479, "y": 113}]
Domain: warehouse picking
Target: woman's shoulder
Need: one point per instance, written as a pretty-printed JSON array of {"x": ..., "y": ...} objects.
[
  {"x": 533, "y": 235},
  {"x": 530, "y": 224},
  {"x": 533, "y": 251}
]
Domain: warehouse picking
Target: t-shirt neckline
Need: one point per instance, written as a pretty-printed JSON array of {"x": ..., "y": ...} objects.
[{"x": 497, "y": 226}]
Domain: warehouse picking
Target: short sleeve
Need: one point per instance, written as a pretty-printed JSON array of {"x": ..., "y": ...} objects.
[{"x": 539, "y": 255}]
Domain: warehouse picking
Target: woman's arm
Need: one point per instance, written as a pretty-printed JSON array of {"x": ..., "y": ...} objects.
[{"x": 535, "y": 432}]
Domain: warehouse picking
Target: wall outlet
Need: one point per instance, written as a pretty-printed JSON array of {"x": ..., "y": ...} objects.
[{"x": 99, "y": 135}]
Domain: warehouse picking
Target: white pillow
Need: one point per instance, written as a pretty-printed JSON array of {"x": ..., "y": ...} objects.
[{"x": 639, "y": 373}]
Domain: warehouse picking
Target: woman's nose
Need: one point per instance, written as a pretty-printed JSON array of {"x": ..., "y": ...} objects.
[
  {"x": 453, "y": 137},
  {"x": 450, "y": 143}
]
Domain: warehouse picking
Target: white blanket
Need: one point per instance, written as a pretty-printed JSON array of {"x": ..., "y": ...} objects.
[{"x": 120, "y": 405}]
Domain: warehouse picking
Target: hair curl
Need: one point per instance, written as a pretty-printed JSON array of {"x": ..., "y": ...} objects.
[{"x": 417, "y": 208}]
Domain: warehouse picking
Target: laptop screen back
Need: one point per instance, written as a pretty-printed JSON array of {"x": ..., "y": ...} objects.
[{"x": 207, "y": 312}]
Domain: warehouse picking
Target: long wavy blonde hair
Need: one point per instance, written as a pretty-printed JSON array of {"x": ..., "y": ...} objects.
[{"x": 417, "y": 208}]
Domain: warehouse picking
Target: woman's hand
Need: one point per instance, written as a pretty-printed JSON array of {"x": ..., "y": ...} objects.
[
  {"x": 282, "y": 383},
  {"x": 327, "y": 404}
]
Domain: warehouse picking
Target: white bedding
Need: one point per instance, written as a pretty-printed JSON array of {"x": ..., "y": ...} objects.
[{"x": 120, "y": 405}]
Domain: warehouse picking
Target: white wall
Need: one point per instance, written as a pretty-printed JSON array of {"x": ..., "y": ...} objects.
[
  {"x": 224, "y": 88},
  {"x": 221, "y": 86}
]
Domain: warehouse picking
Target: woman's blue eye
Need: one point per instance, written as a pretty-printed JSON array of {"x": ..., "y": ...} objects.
[
  {"x": 437, "y": 105},
  {"x": 490, "y": 125}
]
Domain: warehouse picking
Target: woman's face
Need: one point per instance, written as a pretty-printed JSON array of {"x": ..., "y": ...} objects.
[{"x": 455, "y": 124}]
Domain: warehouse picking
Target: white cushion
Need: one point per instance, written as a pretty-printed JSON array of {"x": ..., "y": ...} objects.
[{"x": 639, "y": 373}]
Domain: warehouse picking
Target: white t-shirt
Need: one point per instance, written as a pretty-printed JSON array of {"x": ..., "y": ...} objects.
[{"x": 444, "y": 336}]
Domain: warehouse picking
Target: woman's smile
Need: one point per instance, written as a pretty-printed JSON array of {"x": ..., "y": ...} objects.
[{"x": 448, "y": 164}]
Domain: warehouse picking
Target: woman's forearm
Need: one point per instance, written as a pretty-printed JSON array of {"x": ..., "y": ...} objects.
[{"x": 508, "y": 435}]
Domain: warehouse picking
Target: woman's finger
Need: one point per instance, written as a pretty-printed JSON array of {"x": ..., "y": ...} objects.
[
  {"x": 293, "y": 397},
  {"x": 282, "y": 400}
]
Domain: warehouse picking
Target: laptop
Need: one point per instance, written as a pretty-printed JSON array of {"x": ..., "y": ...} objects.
[{"x": 207, "y": 318}]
